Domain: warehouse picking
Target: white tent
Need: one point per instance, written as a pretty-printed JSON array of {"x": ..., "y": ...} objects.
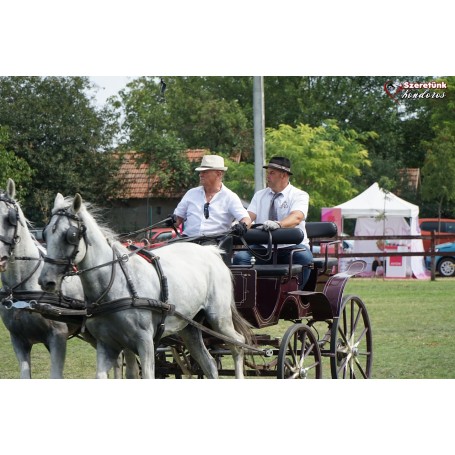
[
  {"x": 380, "y": 212},
  {"x": 375, "y": 202}
]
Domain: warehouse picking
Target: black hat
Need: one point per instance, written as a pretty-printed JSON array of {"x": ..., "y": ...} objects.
[{"x": 280, "y": 163}]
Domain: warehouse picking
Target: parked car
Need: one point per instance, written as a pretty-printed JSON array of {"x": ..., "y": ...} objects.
[
  {"x": 156, "y": 237},
  {"x": 438, "y": 226},
  {"x": 37, "y": 233},
  {"x": 445, "y": 263},
  {"x": 347, "y": 245}
]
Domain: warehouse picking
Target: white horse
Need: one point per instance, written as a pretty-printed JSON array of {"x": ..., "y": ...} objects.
[
  {"x": 21, "y": 261},
  {"x": 126, "y": 293},
  {"x": 20, "y": 265}
]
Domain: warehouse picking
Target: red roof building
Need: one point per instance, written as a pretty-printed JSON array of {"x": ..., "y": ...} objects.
[{"x": 141, "y": 202}]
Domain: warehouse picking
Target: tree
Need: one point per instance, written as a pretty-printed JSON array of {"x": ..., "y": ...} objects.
[
  {"x": 438, "y": 172},
  {"x": 13, "y": 167},
  {"x": 217, "y": 113},
  {"x": 324, "y": 161},
  {"x": 191, "y": 113},
  {"x": 56, "y": 129}
]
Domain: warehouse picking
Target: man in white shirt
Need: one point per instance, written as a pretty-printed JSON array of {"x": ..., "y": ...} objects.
[
  {"x": 280, "y": 205},
  {"x": 210, "y": 209}
]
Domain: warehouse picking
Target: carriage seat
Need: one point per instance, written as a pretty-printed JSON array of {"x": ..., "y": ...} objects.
[
  {"x": 272, "y": 270},
  {"x": 279, "y": 236},
  {"x": 316, "y": 229}
]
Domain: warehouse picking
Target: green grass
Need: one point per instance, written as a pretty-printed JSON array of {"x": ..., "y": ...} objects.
[{"x": 413, "y": 324}]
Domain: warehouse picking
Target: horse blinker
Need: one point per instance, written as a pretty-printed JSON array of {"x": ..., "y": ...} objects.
[
  {"x": 12, "y": 216},
  {"x": 73, "y": 235}
]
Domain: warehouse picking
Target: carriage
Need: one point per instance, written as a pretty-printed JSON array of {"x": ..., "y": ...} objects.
[{"x": 322, "y": 321}]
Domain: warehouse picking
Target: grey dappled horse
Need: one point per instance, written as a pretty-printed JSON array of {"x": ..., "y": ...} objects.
[
  {"x": 115, "y": 279},
  {"x": 20, "y": 265}
]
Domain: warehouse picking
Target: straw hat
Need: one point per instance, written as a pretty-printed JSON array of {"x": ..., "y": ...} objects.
[{"x": 212, "y": 163}]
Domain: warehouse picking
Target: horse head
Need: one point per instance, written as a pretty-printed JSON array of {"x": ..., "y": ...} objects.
[
  {"x": 10, "y": 222},
  {"x": 66, "y": 241}
]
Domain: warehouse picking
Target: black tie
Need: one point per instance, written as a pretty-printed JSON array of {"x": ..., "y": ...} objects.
[{"x": 272, "y": 211}]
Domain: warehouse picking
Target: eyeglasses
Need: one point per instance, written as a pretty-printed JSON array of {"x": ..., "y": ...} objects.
[{"x": 206, "y": 210}]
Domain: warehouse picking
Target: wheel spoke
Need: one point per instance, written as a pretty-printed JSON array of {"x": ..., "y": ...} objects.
[
  {"x": 360, "y": 367},
  {"x": 354, "y": 325},
  {"x": 364, "y": 331}
]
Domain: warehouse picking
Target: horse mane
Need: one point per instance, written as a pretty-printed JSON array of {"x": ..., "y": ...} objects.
[{"x": 90, "y": 209}]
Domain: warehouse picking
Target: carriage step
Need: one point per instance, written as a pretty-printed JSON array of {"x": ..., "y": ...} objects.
[{"x": 321, "y": 309}]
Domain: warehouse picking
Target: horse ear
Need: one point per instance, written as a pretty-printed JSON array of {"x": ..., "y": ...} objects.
[
  {"x": 77, "y": 203},
  {"x": 59, "y": 199},
  {"x": 11, "y": 189}
]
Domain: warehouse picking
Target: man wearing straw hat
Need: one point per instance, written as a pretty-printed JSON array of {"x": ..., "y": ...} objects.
[{"x": 211, "y": 208}]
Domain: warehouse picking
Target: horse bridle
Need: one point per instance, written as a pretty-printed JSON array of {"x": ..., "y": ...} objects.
[
  {"x": 73, "y": 236},
  {"x": 13, "y": 219}
]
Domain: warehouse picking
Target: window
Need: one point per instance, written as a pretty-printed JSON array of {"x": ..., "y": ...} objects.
[
  {"x": 164, "y": 236},
  {"x": 431, "y": 226}
]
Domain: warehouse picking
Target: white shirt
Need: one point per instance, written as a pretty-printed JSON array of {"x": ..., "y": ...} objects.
[
  {"x": 291, "y": 199},
  {"x": 225, "y": 207}
]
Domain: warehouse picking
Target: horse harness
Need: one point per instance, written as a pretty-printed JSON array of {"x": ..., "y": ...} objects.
[
  {"x": 13, "y": 219},
  {"x": 75, "y": 234},
  {"x": 49, "y": 305}
]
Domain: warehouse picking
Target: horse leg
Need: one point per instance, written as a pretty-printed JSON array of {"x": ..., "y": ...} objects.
[
  {"x": 105, "y": 360},
  {"x": 118, "y": 367},
  {"x": 22, "y": 351},
  {"x": 226, "y": 327},
  {"x": 146, "y": 351},
  {"x": 192, "y": 338},
  {"x": 57, "y": 351},
  {"x": 132, "y": 367}
]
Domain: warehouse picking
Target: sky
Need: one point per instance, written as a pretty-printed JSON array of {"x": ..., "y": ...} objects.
[{"x": 109, "y": 86}]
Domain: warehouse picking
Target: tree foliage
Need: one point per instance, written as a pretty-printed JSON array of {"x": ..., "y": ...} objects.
[
  {"x": 11, "y": 166},
  {"x": 438, "y": 172},
  {"x": 324, "y": 160},
  {"x": 53, "y": 136},
  {"x": 190, "y": 113},
  {"x": 54, "y": 127},
  {"x": 217, "y": 113}
]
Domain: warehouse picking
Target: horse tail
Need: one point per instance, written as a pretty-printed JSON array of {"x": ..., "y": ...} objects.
[{"x": 242, "y": 326}]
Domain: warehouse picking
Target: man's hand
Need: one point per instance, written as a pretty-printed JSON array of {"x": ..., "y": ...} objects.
[
  {"x": 270, "y": 225},
  {"x": 170, "y": 220},
  {"x": 239, "y": 229}
]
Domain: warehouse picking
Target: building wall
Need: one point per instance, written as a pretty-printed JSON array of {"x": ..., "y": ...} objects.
[{"x": 136, "y": 214}]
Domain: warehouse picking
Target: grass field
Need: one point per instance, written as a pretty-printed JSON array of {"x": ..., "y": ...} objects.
[{"x": 413, "y": 324}]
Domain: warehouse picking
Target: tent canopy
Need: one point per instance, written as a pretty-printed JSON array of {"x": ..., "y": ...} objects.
[{"x": 374, "y": 201}]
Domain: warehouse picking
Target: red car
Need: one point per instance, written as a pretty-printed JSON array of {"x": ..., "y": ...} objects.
[{"x": 156, "y": 237}]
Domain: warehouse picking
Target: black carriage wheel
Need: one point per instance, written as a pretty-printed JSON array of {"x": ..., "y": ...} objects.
[
  {"x": 299, "y": 356},
  {"x": 351, "y": 342}
]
